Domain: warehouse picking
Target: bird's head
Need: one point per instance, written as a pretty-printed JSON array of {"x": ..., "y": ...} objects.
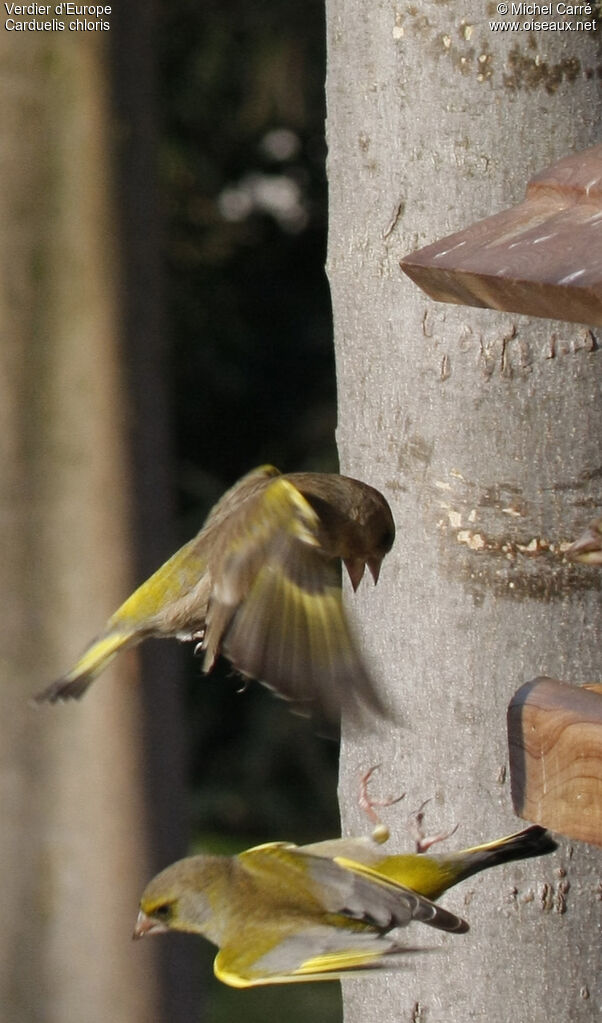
[
  {"x": 180, "y": 898},
  {"x": 373, "y": 535},
  {"x": 355, "y": 521}
]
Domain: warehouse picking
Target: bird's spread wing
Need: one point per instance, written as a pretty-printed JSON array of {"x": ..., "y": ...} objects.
[
  {"x": 245, "y": 488},
  {"x": 172, "y": 601},
  {"x": 276, "y": 606}
]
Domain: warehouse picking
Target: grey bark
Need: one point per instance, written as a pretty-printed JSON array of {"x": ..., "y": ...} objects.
[
  {"x": 482, "y": 429},
  {"x": 72, "y": 841}
]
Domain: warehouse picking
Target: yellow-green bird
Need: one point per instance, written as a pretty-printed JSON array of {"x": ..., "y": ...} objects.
[
  {"x": 587, "y": 548},
  {"x": 280, "y": 913},
  {"x": 261, "y": 584}
]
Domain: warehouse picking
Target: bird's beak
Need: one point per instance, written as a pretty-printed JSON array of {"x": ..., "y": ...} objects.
[
  {"x": 355, "y": 567},
  {"x": 586, "y": 548},
  {"x": 146, "y": 925},
  {"x": 374, "y": 568}
]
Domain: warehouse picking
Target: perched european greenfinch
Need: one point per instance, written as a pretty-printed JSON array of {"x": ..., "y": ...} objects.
[
  {"x": 261, "y": 584},
  {"x": 587, "y": 548},
  {"x": 282, "y": 913},
  {"x": 279, "y": 913}
]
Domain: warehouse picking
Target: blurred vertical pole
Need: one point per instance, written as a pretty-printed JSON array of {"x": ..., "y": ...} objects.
[
  {"x": 73, "y": 838},
  {"x": 148, "y": 371},
  {"x": 483, "y": 430}
]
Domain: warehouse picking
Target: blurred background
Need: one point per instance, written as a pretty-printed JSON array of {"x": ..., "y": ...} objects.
[
  {"x": 242, "y": 188},
  {"x": 248, "y": 370}
]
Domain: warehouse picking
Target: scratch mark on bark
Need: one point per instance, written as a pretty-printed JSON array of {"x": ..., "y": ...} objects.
[{"x": 397, "y": 214}]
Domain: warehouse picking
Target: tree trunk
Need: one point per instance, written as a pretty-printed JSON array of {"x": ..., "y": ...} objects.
[
  {"x": 72, "y": 842},
  {"x": 483, "y": 431}
]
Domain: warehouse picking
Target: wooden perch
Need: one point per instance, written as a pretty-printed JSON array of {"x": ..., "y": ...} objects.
[
  {"x": 555, "y": 746},
  {"x": 542, "y": 258}
]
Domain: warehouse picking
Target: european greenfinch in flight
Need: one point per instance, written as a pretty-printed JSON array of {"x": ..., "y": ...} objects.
[
  {"x": 260, "y": 583},
  {"x": 587, "y": 548},
  {"x": 281, "y": 913}
]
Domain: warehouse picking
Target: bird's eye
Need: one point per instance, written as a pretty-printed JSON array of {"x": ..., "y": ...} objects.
[{"x": 163, "y": 913}]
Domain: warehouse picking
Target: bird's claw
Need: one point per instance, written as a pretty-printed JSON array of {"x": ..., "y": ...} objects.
[
  {"x": 424, "y": 842},
  {"x": 198, "y": 638},
  {"x": 380, "y": 831}
]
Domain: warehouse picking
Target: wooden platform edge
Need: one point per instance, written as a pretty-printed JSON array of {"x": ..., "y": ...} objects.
[{"x": 555, "y": 753}]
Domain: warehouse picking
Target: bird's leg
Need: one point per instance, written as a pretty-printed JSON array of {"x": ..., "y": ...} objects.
[
  {"x": 424, "y": 842},
  {"x": 380, "y": 832}
]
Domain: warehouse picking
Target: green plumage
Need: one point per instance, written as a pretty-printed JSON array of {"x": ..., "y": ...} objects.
[
  {"x": 261, "y": 584},
  {"x": 281, "y": 913}
]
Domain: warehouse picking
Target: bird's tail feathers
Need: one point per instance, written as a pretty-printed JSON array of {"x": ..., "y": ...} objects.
[
  {"x": 533, "y": 841},
  {"x": 95, "y": 659}
]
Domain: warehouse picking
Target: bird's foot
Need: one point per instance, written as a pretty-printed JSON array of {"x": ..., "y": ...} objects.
[
  {"x": 380, "y": 832},
  {"x": 424, "y": 842},
  {"x": 198, "y": 638}
]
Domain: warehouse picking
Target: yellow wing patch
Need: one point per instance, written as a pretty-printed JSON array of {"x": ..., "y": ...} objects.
[
  {"x": 331, "y": 966},
  {"x": 280, "y": 508},
  {"x": 284, "y": 502}
]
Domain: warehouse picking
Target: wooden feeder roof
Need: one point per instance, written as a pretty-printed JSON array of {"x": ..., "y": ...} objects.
[{"x": 542, "y": 257}]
